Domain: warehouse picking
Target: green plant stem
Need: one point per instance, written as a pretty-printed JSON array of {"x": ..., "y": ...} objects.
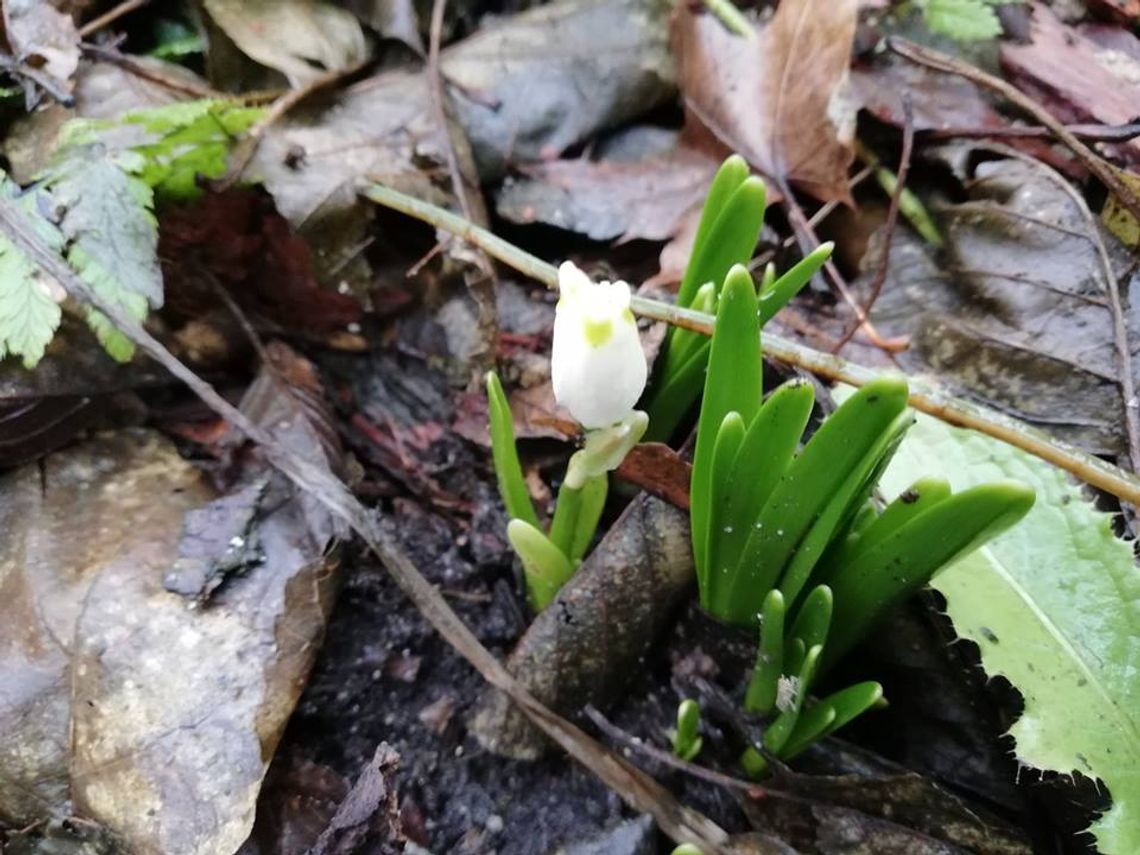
[
  {"x": 731, "y": 17},
  {"x": 924, "y": 397}
]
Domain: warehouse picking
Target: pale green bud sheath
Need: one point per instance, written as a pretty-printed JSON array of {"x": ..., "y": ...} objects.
[{"x": 598, "y": 368}]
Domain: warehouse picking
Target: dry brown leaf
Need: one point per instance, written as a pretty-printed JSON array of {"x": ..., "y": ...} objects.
[
  {"x": 300, "y": 38},
  {"x": 780, "y": 99},
  {"x": 43, "y": 36},
  {"x": 1077, "y": 79},
  {"x": 382, "y": 129}
]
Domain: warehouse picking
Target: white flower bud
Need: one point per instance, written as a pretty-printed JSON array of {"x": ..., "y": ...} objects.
[{"x": 597, "y": 366}]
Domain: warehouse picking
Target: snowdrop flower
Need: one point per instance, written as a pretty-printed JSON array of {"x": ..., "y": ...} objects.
[{"x": 597, "y": 366}]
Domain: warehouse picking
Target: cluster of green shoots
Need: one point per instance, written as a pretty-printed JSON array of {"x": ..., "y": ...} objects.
[
  {"x": 789, "y": 537},
  {"x": 790, "y": 540}
]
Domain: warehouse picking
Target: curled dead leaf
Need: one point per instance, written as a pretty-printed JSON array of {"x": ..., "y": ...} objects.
[{"x": 780, "y": 98}]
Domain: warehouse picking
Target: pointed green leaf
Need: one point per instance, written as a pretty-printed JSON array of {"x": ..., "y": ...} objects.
[
  {"x": 920, "y": 496},
  {"x": 767, "y": 449},
  {"x": 780, "y": 292},
  {"x": 545, "y": 568},
  {"x": 818, "y": 487},
  {"x": 508, "y": 471},
  {"x": 814, "y": 618},
  {"x": 848, "y": 498},
  {"x": 732, "y": 382},
  {"x": 885, "y": 573},
  {"x": 728, "y": 241},
  {"x": 780, "y": 730},
  {"x": 728, "y": 440},
  {"x": 811, "y": 726},
  {"x": 760, "y": 697},
  {"x": 830, "y": 714}
]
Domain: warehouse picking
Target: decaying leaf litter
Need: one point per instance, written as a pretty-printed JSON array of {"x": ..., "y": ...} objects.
[{"x": 172, "y": 582}]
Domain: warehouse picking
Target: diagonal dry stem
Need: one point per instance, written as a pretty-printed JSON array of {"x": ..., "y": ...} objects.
[
  {"x": 924, "y": 397},
  {"x": 640, "y": 791}
]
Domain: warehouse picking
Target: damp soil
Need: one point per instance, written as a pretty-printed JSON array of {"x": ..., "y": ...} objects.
[{"x": 384, "y": 675}]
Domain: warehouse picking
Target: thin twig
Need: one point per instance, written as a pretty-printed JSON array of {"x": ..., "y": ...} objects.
[
  {"x": 808, "y": 240},
  {"x": 924, "y": 397},
  {"x": 951, "y": 65},
  {"x": 110, "y": 16},
  {"x": 138, "y": 69},
  {"x": 1112, "y": 289},
  {"x": 821, "y": 213},
  {"x": 471, "y": 204},
  {"x": 666, "y": 758},
  {"x": 639, "y": 790},
  {"x": 244, "y": 151},
  {"x": 1091, "y": 133},
  {"x": 892, "y": 217},
  {"x": 805, "y": 235}
]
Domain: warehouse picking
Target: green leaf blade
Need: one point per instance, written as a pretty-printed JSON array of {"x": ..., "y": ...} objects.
[
  {"x": 508, "y": 470},
  {"x": 1054, "y": 606},
  {"x": 733, "y": 382}
]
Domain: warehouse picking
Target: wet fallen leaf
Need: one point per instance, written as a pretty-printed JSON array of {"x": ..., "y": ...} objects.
[
  {"x": 392, "y": 19},
  {"x": 614, "y": 49},
  {"x": 603, "y": 200},
  {"x": 780, "y": 98},
  {"x": 937, "y": 100},
  {"x": 300, "y": 38},
  {"x": 156, "y": 717},
  {"x": 1075, "y": 77},
  {"x": 370, "y": 805},
  {"x": 1016, "y": 312},
  {"x": 1122, "y": 11}
]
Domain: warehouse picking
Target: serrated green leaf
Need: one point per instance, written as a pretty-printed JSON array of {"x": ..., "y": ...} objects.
[
  {"x": 29, "y": 311},
  {"x": 106, "y": 214},
  {"x": 178, "y": 144},
  {"x": 962, "y": 20},
  {"x": 1054, "y": 606}
]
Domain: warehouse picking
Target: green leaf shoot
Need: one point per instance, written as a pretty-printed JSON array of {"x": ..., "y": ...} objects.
[
  {"x": 732, "y": 383},
  {"x": 545, "y": 567},
  {"x": 687, "y": 740},
  {"x": 508, "y": 470}
]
